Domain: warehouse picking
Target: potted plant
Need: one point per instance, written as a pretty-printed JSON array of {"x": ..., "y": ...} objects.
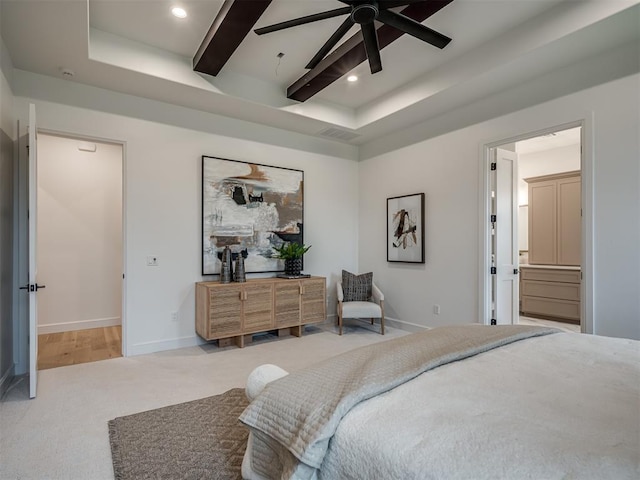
[{"x": 291, "y": 253}]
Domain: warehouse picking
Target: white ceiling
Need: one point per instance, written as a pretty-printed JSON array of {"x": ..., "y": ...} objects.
[
  {"x": 138, "y": 47},
  {"x": 561, "y": 138}
]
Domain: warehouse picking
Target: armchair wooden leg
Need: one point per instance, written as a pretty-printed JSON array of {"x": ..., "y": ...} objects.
[
  {"x": 382, "y": 317},
  {"x": 371, "y": 320},
  {"x": 340, "y": 317}
]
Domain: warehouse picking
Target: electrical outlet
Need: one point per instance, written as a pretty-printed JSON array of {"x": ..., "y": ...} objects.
[
  {"x": 436, "y": 309},
  {"x": 174, "y": 316},
  {"x": 152, "y": 261}
]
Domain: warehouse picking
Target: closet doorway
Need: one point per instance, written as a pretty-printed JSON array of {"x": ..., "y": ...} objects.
[
  {"x": 79, "y": 250},
  {"x": 549, "y": 229},
  {"x": 536, "y": 252}
]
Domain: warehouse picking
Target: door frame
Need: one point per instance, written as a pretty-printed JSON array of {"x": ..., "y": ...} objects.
[
  {"x": 123, "y": 144},
  {"x": 587, "y": 322}
]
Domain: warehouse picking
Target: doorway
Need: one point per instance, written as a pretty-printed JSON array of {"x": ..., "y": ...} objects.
[
  {"x": 535, "y": 248},
  {"x": 79, "y": 250}
]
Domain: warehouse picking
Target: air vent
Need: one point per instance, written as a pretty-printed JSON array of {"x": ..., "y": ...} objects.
[{"x": 338, "y": 134}]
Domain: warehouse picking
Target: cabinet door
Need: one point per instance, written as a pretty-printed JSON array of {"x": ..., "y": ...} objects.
[
  {"x": 542, "y": 223},
  {"x": 225, "y": 311},
  {"x": 569, "y": 221},
  {"x": 258, "y": 307},
  {"x": 287, "y": 303},
  {"x": 314, "y": 300}
]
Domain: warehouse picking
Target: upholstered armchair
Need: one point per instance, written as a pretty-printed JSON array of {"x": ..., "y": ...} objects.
[{"x": 372, "y": 309}]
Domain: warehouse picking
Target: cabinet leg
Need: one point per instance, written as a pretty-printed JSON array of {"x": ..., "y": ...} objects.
[
  {"x": 296, "y": 331},
  {"x": 225, "y": 342},
  {"x": 284, "y": 332},
  {"x": 242, "y": 340}
]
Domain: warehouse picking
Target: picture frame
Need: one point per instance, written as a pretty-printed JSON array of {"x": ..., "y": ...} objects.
[
  {"x": 250, "y": 208},
  {"x": 405, "y": 229}
]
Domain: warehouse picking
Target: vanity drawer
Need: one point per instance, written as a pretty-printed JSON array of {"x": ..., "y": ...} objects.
[
  {"x": 551, "y": 275},
  {"x": 551, "y": 307},
  {"x": 561, "y": 291}
]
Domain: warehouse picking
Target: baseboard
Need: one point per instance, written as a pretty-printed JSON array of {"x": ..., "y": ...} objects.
[
  {"x": 406, "y": 326},
  {"x": 80, "y": 325},
  {"x": 6, "y": 378},
  {"x": 183, "y": 342},
  {"x": 390, "y": 322},
  {"x": 162, "y": 345}
]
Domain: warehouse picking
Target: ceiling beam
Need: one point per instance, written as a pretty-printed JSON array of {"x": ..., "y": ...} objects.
[
  {"x": 352, "y": 53},
  {"x": 234, "y": 21}
]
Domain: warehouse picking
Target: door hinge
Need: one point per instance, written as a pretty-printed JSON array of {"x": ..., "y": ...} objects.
[
  {"x": 494, "y": 321},
  {"x": 493, "y": 218},
  {"x": 494, "y": 165},
  {"x": 493, "y": 270}
]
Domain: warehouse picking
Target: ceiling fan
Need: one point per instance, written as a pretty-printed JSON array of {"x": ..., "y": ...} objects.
[{"x": 364, "y": 13}]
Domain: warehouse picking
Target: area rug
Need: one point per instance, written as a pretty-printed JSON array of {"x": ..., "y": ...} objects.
[{"x": 202, "y": 439}]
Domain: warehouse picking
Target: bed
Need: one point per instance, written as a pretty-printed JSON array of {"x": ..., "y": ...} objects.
[{"x": 469, "y": 402}]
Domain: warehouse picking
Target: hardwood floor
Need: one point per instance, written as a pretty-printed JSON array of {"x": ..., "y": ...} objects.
[{"x": 80, "y": 346}]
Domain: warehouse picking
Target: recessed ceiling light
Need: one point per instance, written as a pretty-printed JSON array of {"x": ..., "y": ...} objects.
[
  {"x": 179, "y": 12},
  {"x": 352, "y": 78}
]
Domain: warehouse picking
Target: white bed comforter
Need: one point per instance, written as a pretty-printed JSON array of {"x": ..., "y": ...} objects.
[
  {"x": 564, "y": 406},
  {"x": 293, "y": 420}
]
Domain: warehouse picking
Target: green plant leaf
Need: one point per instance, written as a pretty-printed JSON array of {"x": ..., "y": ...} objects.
[{"x": 291, "y": 250}]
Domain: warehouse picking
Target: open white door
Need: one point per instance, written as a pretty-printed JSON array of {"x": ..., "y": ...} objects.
[
  {"x": 33, "y": 270},
  {"x": 505, "y": 238}
]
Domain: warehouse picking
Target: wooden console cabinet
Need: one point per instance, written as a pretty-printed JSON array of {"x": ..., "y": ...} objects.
[{"x": 232, "y": 312}]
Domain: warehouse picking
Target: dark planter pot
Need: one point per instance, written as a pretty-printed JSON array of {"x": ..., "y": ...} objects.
[{"x": 292, "y": 266}]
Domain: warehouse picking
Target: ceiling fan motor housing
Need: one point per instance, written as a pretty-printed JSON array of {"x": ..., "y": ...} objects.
[{"x": 365, "y": 13}]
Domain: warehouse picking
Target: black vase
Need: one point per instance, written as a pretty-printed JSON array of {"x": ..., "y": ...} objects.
[{"x": 292, "y": 266}]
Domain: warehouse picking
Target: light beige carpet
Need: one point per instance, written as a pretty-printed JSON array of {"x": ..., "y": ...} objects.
[{"x": 62, "y": 434}]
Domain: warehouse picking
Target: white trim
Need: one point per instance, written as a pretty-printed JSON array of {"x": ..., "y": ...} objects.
[
  {"x": 587, "y": 322},
  {"x": 162, "y": 345},
  {"x": 403, "y": 325},
  {"x": 79, "y": 325},
  {"x": 484, "y": 279},
  {"x": 586, "y": 167},
  {"x": 388, "y": 322},
  {"x": 125, "y": 324}
]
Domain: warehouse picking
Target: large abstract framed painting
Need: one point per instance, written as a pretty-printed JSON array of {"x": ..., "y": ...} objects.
[
  {"x": 250, "y": 208},
  {"x": 405, "y": 228}
]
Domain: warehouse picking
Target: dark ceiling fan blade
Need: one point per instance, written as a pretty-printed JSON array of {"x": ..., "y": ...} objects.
[
  {"x": 410, "y": 26},
  {"x": 396, "y": 3},
  {"x": 302, "y": 20},
  {"x": 371, "y": 46},
  {"x": 333, "y": 40}
]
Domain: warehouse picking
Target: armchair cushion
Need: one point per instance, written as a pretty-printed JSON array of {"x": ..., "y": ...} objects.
[
  {"x": 361, "y": 310},
  {"x": 357, "y": 288}
]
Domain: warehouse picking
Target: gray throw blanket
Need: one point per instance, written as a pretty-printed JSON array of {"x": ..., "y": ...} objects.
[{"x": 295, "y": 417}]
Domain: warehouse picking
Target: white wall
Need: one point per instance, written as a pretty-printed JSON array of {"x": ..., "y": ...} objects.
[
  {"x": 546, "y": 162},
  {"x": 79, "y": 244},
  {"x": 447, "y": 169},
  {"x": 162, "y": 204}
]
